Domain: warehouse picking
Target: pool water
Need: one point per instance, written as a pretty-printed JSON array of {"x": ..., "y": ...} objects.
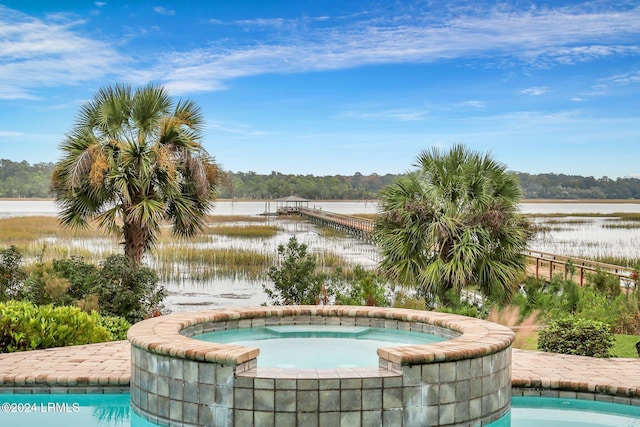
[
  {"x": 554, "y": 412},
  {"x": 318, "y": 346},
  {"x": 112, "y": 410},
  {"x": 69, "y": 410}
]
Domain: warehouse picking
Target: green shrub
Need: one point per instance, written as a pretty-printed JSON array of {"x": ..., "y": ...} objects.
[
  {"x": 359, "y": 287},
  {"x": 571, "y": 335},
  {"x": 294, "y": 279},
  {"x": 12, "y": 275},
  {"x": 24, "y": 326},
  {"x": 116, "y": 325},
  {"x": 127, "y": 290}
]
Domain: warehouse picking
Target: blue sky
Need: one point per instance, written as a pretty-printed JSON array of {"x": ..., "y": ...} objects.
[{"x": 330, "y": 87}]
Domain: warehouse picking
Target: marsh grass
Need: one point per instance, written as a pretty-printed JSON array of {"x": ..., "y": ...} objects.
[
  {"x": 621, "y": 261},
  {"x": 22, "y": 230},
  {"x": 626, "y": 226},
  {"x": 369, "y": 216},
  {"x": 235, "y": 218},
  {"x": 628, "y": 216},
  {"x": 327, "y": 260},
  {"x": 177, "y": 262},
  {"x": 329, "y": 233},
  {"x": 245, "y": 231}
]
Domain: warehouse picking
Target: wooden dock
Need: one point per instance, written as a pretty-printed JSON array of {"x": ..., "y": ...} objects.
[
  {"x": 540, "y": 264},
  {"x": 359, "y": 227}
]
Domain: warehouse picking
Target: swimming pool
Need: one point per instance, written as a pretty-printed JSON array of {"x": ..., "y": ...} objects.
[
  {"x": 113, "y": 410},
  {"x": 318, "y": 346}
]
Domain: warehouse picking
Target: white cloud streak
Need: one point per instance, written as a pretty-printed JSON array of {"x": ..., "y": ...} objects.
[
  {"x": 164, "y": 11},
  {"x": 34, "y": 53},
  {"x": 534, "y": 91},
  {"x": 537, "y": 39}
]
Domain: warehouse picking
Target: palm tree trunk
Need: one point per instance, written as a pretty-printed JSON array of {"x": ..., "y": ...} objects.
[{"x": 134, "y": 242}]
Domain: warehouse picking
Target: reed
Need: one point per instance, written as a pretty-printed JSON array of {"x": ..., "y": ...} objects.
[
  {"x": 181, "y": 262},
  {"x": 624, "y": 226},
  {"x": 617, "y": 260},
  {"x": 245, "y": 231},
  {"x": 235, "y": 218},
  {"x": 328, "y": 232},
  {"x": 21, "y": 230},
  {"x": 327, "y": 260}
]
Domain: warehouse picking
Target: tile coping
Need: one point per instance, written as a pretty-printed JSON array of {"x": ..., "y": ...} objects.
[
  {"x": 105, "y": 367},
  {"x": 162, "y": 335}
]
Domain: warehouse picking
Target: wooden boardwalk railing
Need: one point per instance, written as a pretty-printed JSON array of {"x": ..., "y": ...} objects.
[
  {"x": 545, "y": 265},
  {"x": 540, "y": 264},
  {"x": 359, "y": 227}
]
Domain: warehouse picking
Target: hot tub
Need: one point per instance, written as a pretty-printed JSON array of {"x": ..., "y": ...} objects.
[{"x": 464, "y": 380}]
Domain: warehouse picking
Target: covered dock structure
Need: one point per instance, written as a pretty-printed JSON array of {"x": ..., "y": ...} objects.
[{"x": 290, "y": 205}]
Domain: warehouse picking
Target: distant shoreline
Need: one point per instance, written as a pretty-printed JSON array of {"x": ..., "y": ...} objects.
[{"x": 610, "y": 201}]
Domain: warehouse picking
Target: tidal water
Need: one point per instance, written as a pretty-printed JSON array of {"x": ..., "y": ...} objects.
[{"x": 567, "y": 235}]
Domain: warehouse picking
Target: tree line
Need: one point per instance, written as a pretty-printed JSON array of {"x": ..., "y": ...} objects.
[{"x": 25, "y": 180}]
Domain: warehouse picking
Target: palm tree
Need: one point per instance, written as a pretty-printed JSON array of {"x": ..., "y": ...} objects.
[
  {"x": 132, "y": 162},
  {"x": 453, "y": 223}
]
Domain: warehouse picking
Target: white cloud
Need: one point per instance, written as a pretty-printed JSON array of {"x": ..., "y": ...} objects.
[
  {"x": 534, "y": 91},
  {"x": 473, "y": 104},
  {"x": 403, "y": 115},
  {"x": 6, "y": 134},
  {"x": 535, "y": 38},
  {"x": 164, "y": 11},
  {"x": 35, "y": 53}
]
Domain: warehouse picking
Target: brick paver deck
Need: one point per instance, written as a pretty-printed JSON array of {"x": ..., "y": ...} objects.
[{"x": 109, "y": 364}]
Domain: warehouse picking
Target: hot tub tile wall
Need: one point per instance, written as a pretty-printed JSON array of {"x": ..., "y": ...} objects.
[{"x": 176, "y": 380}]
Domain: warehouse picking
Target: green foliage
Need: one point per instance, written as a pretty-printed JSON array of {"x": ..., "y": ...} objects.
[
  {"x": 12, "y": 274},
  {"x": 127, "y": 290},
  {"x": 294, "y": 279},
  {"x": 359, "y": 287},
  {"x": 625, "y": 346},
  {"x": 24, "y": 326},
  {"x": 115, "y": 288},
  {"x": 412, "y": 302},
  {"x": 453, "y": 224},
  {"x": 116, "y": 325},
  {"x": 21, "y": 179},
  {"x": 457, "y": 305},
  {"x": 605, "y": 283},
  {"x": 572, "y": 335},
  {"x": 133, "y": 161},
  {"x": 600, "y": 299},
  {"x": 79, "y": 274}
]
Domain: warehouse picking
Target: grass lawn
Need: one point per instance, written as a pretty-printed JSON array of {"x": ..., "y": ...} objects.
[{"x": 625, "y": 346}]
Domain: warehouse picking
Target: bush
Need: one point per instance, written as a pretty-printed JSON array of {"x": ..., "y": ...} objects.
[
  {"x": 12, "y": 274},
  {"x": 582, "y": 337},
  {"x": 25, "y": 326},
  {"x": 294, "y": 280},
  {"x": 359, "y": 287},
  {"x": 117, "y": 327},
  {"x": 127, "y": 290}
]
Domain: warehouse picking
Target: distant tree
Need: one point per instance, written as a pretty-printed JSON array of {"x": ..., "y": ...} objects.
[
  {"x": 132, "y": 161},
  {"x": 451, "y": 224}
]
